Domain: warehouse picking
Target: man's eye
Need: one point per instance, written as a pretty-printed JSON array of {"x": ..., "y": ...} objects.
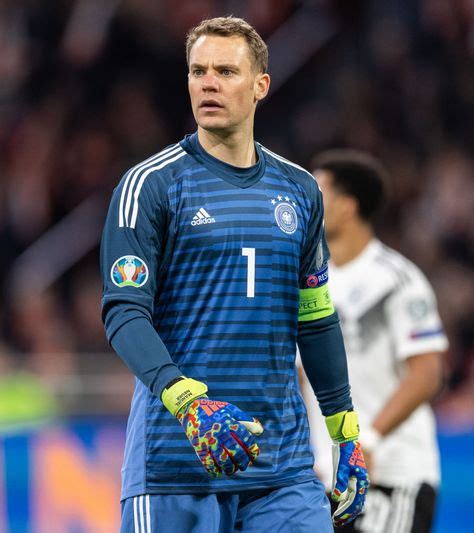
[
  {"x": 198, "y": 72},
  {"x": 226, "y": 72}
]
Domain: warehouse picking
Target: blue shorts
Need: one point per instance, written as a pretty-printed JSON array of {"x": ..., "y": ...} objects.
[{"x": 301, "y": 508}]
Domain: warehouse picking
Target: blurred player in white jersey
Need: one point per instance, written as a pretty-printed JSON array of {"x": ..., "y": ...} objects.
[{"x": 394, "y": 341}]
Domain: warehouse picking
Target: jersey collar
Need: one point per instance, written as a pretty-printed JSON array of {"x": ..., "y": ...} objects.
[{"x": 238, "y": 176}]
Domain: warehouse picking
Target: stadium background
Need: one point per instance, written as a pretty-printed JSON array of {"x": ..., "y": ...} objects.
[{"x": 88, "y": 89}]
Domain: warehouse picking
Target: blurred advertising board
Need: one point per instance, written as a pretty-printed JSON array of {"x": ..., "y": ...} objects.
[{"x": 62, "y": 478}]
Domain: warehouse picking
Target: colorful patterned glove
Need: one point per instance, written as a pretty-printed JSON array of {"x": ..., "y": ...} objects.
[
  {"x": 350, "y": 481},
  {"x": 221, "y": 434}
]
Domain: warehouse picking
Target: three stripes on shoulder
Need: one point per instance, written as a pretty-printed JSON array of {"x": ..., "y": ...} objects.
[{"x": 129, "y": 206}]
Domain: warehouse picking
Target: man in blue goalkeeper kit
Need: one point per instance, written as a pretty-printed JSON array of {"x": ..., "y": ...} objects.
[{"x": 214, "y": 266}]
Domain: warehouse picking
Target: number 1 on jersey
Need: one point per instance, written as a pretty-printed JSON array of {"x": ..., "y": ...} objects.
[{"x": 250, "y": 254}]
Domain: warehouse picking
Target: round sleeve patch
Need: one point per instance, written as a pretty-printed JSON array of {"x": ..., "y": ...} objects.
[{"x": 129, "y": 271}]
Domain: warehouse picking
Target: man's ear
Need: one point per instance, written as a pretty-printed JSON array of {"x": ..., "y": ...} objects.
[{"x": 262, "y": 85}]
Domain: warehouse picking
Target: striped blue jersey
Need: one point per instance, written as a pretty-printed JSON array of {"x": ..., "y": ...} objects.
[{"x": 216, "y": 255}]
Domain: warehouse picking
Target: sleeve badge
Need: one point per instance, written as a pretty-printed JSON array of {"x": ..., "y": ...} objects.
[{"x": 129, "y": 271}]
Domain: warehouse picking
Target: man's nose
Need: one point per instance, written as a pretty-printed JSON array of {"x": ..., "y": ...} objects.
[{"x": 209, "y": 82}]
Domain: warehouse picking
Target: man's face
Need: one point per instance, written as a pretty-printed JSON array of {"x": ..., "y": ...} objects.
[
  {"x": 332, "y": 200},
  {"x": 223, "y": 85}
]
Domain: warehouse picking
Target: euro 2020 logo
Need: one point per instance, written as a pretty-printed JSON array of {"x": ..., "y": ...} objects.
[{"x": 129, "y": 271}]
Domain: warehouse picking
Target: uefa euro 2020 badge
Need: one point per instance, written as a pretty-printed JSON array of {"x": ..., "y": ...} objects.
[
  {"x": 285, "y": 214},
  {"x": 129, "y": 271}
]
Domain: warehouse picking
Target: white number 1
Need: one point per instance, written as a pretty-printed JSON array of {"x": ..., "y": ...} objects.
[{"x": 250, "y": 254}]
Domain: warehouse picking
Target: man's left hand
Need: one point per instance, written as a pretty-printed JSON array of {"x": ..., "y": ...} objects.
[{"x": 351, "y": 481}]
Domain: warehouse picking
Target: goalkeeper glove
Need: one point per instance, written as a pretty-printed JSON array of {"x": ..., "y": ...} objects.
[
  {"x": 350, "y": 481},
  {"x": 221, "y": 434}
]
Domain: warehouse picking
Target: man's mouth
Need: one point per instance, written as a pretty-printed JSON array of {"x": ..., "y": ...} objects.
[{"x": 210, "y": 105}]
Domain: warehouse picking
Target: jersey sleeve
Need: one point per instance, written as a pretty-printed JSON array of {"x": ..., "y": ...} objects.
[
  {"x": 413, "y": 318},
  {"x": 319, "y": 338},
  {"x": 130, "y": 256},
  {"x": 315, "y": 300}
]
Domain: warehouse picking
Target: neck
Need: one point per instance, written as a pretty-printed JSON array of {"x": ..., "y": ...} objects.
[
  {"x": 350, "y": 242},
  {"x": 236, "y": 148}
]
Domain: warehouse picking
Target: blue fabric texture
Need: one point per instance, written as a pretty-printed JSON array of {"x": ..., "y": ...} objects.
[
  {"x": 301, "y": 508},
  {"x": 324, "y": 359}
]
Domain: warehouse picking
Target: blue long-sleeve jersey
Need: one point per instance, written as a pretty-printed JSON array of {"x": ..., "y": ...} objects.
[{"x": 203, "y": 265}]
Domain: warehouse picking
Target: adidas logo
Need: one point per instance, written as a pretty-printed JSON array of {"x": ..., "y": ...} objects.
[{"x": 202, "y": 217}]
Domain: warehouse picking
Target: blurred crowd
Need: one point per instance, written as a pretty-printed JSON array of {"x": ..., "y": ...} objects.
[{"x": 88, "y": 89}]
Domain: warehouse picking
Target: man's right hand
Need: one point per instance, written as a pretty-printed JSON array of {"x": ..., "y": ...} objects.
[{"x": 222, "y": 435}]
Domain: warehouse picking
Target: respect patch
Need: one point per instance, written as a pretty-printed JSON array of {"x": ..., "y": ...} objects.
[{"x": 315, "y": 304}]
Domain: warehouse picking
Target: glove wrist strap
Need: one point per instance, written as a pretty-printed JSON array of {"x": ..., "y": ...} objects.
[
  {"x": 180, "y": 393},
  {"x": 343, "y": 426}
]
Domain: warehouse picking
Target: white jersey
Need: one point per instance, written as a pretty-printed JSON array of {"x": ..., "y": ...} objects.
[{"x": 388, "y": 313}]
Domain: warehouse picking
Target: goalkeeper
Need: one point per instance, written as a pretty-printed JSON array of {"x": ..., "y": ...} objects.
[{"x": 214, "y": 265}]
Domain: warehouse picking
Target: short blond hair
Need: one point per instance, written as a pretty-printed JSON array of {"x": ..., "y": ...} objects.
[{"x": 228, "y": 27}]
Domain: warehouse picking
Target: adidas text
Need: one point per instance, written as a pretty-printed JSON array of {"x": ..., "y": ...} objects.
[
  {"x": 200, "y": 221},
  {"x": 202, "y": 217}
]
